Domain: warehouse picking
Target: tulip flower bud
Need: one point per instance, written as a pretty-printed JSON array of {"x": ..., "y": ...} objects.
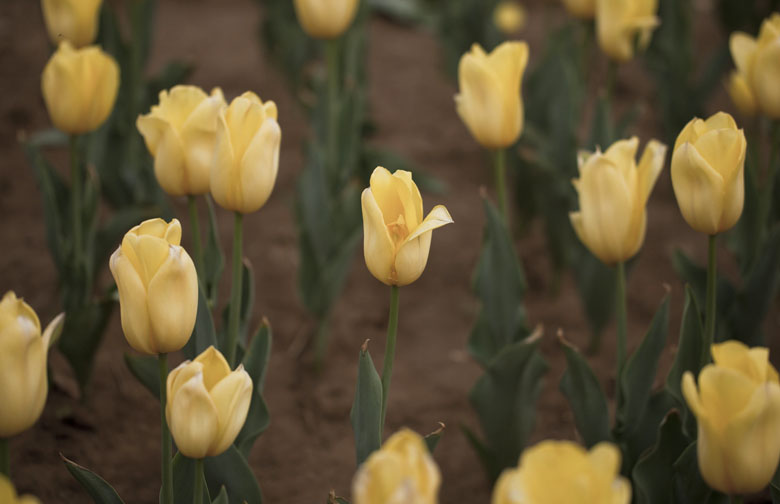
[
  {"x": 396, "y": 238},
  {"x": 180, "y": 133},
  {"x": 737, "y": 406},
  {"x": 8, "y": 494},
  {"x": 402, "y": 471},
  {"x": 583, "y": 9},
  {"x": 207, "y": 404},
  {"x": 553, "y": 472},
  {"x": 708, "y": 173},
  {"x": 613, "y": 194},
  {"x": 73, "y": 20},
  {"x": 509, "y": 17},
  {"x": 325, "y": 19},
  {"x": 79, "y": 87},
  {"x": 158, "y": 287},
  {"x": 758, "y": 63},
  {"x": 741, "y": 95},
  {"x": 246, "y": 162},
  {"x": 621, "y": 23},
  {"x": 490, "y": 101},
  {"x": 23, "y": 355}
]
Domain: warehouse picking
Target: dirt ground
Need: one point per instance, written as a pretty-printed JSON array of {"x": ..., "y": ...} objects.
[{"x": 308, "y": 448}]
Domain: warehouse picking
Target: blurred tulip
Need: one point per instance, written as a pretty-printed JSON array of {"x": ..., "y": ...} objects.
[
  {"x": 180, "y": 133},
  {"x": 396, "y": 238},
  {"x": 490, "y": 101},
  {"x": 622, "y": 23},
  {"x": 583, "y": 9},
  {"x": 23, "y": 356},
  {"x": 737, "y": 406},
  {"x": 758, "y": 63},
  {"x": 553, "y": 472},
  {"x": 613, "y": 194},
  {"x": 741, "y": 95},
  {"x": 207, "y": 404},
  {"x": 79, "y": 87},
  {"x": 73, "y": 20},
  {"x": 401, "y": 472},
  {"x": 509, "y": 17},
  {"x": 246, "y": 162},
  {"x": 158, "y": 287},
  {"x": 325, "y": 19},
  {"x": 708, "y": 173},
  {"x": 8, "y": 494}
]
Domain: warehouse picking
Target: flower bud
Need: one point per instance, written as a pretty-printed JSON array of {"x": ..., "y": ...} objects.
[
  {"x": 509, "y": 17},
  {"x": 180, "y": 133},
  {"x": 737, "y": 406},
  {"x": 79, "y": 87},
  {"x": 622, "y": 23},
  {"x": 325, "y": 19},
  {"x": 708, "y": 173},
  {"x": 396, "y": 238},
  {"x": 741, "y": 95},
  {"x": 583, "y": 9},
  {"x": 207, "y": 404},
  {"x": 158, "y": 287},
  {"x": 246, "y": 162},
  {"x": 613, "y": 194},
  {"x": 490, "y": 101},
  {"x": 8, "y": 494},
  {"x": 23, "y": 355},
  {"x": 758, "y": 63},
  {"x": 73, "y": 20},
  {"x": 402, "y": 471},
  {"x": 553, "y": 472}
]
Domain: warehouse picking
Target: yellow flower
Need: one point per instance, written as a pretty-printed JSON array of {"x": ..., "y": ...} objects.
[
  {"x": 158, "y": 287},
  {"x": 180, "y": 133},
  {"x": 23, "y": 352},
  {"x": 509, "y": 17},
  {"x": 325, "y": 19},
  {"x": 553, "y": 472},
  {"x": 708, "y": 173},
  {"x": 8, "y": 494},
  {"x": 247, "y": 154},
  {"x": 741, "y": 94},
  {"x": 737, "y": 406},
  {"x": 758, "y": 64},
  {"x": 490, "y": 101},
  {"x": 79, "y": 87},
  {"x": 584, "y": 9},
  {"x": 613, "y": 194},
  {"x": 396, "y": 238},
  {"x": 402, "y": 472},
  {"x": 207, "y": 404},
  {"x": 72, "y": 20},
  {"x": 621, "y": 23}
]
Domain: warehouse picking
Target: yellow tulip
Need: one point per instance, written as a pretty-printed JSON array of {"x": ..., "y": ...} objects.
[
  {"x": 584, "y": 9},
  {"x": 758, "y": 63},
  {"x": 509, "y": 17},
  {"x": 613, "y": 194},
  {"x": 246, "y": 162},
  {"x": 73, "y": 20},
  {"x": 553, "y": 472},
  {"x": 180, "y": 133},
  {"x": 396, "y": 238},
  {"x": 737, "y": 406},
  {"x": 79, "y": 87},
  {"x": 325, "y": 19},
  {"x": 708, "y": 173},
  {"x": 158, "y": 287},
  {"x": 8, "y": 494},
  {"x": 402, "y": 472},
  {"x": 23, "y": 356},
  {"x": 490, "y": 101},
  {"x": 741, "y": 95},
  {"x": 207, "y": 404},
  {"x": 622, "y": 23}
]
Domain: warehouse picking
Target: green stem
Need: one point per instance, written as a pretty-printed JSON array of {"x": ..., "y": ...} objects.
[
  {"x": 392, "y": 332},
  {"x": 765, "y": 203},
  {"x": 712, "y": 287},
  {"x": 5, "y": 458},
  {"x": 622, "y": 326},
  {"x": 500, "y": 174},
  {"x": 198, "y": 490},
  {"x": 167, "y": 470},
  {"x": 332, "y": 57},
  {"x": 197, "y": 246},
  {"x": 75, "y": 200},
  {"x": 235, "y": 289},
  {"x": 612, "y": 70}
]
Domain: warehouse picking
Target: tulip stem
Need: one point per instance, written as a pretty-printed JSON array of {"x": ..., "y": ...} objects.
[
  {"x": 622, "y": 327},
  {"x": 196, "y": 239},
  {"x": 167, "y": 470},
  {"x": 235, "y": 289},
  {"x": 500, "y": 173},
  {"x": 392, "y": 332},
  {"x": 198, "y": 490},
  {"x": 5, "y": 458},
  {"x": 712, "y": 287},
  {"x": 75, "y": 200},
  {"x": 332, "y": 57}
]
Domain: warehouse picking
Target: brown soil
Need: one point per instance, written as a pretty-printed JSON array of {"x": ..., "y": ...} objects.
[{"x": 308, "y": 448}]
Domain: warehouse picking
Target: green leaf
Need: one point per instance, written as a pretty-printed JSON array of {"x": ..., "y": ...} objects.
[
  {"x": 232, "y": 471},
  {"x": 597, "y": 285},
  {"x": 222, "y": 498},
  {"x": 184, "y": 481},
  {"x": 366, "y": 413},
  {"x": 213, "y": 257},
  {"x": 97, "y": 488},
  {"x": 775, "y": 488},
  {"x": 432, "y": 439},
  {"x": 203, "y": 334},
  {"x": 689, "y": 487},
  {"x": 652, "y": 475},
  {"x": 586, "y": 397},
  {"x": 256, "y": 364},
  {"x": 247, "y": 302},
  {"x": 81, "y": 336},
  {"x": 146, "y": 369}
]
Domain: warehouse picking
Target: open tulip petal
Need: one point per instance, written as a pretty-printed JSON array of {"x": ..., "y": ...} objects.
[
  {"x": 193, "y": 419},
  {"x": 216, "y": 367},
  {"x": 650, "y": 167},
  {"x": 232, "y": 397},
  {"x": 438, "y": 217}
]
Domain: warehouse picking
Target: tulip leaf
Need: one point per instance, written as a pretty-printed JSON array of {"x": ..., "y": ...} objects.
[
  {"x": 222, "y": 497},
  {"x": 213, "y": 257},
  {"x": 245, "y": 314},
  {"x": 689, "y": 487},
  {"x": 256, "y": 364},
  {"x": 184, "y": 481},
  {"x": 597, "y": 284},
  {"x": 366, "y": 413},
  {"x": 652, "y": 475},
  {"x": 203, "y": 334},
  {"x": 432, "y": 439},
  {"x": 586, "y": 397},
  {"x": 775, "y": 487},
  {"x": 81, "y": 335},
  {"x": 147, "y": 370},
  {"x": 644, "y": 435},
  {"x": 232, "y": 471},
  {"x": 97, "y": 488}
]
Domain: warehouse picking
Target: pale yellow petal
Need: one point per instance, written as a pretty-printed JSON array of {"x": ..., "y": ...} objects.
[
  {"x": 259, "y": 168},
  {"x": 132, "y": 304},
  {"x": 743, "y": 48},
  {"x": 232, "y": 397},
  {"x": 698, "y": 188},
  {"x": 215, "y": 367},
  {"x": 378, "y": 247},
  {"x": 193, "y": 419},
  {"x": 766, "y": 79}
]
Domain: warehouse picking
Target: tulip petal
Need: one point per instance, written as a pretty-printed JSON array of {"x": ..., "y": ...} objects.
[
  {"x": 411, "y": 199},
  {"x": 390, "y": 193},
  {"x": 173, "y": 232},
  {"x": 169, "y": 164},
  {"x": 508, "y": 61},
  {"x": 412, "y": 256},
  {"x": 724, "y": 393},
  {"x": 743, "y": 48},
  {"x": 223, "y": 168},
  {"x": 698, "y": 188},
  {"x": 259, "y": 167},
  {"x": 766, "y": 78},
  {"x": 232, "y": 397},
  {"x": 605, "y": 457},
  {"x": 193, "y": 419},
  {"x": 720, "y": 120},
  {"x": 378, "y": 247},
  {"x": 623, "y": 155},
  {"x": 132, "y": 303},
  {"x": 722, "y": 150},
  {"x": 650, "y": 167},
  {"x": 741, "y": 94},
  {"x": 215, "y": 367},
  {"x": 183, "y": 373},
  {"x": 690, "y": 133},
  {"x": 439, "y": 216}
]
